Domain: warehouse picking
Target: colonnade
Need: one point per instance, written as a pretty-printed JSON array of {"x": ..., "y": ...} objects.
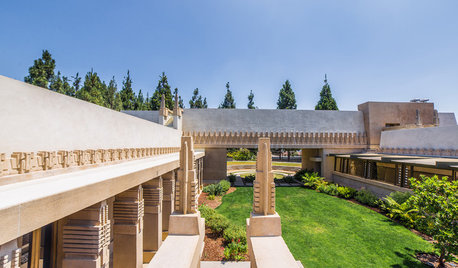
[{"x": 125, "y": 230}]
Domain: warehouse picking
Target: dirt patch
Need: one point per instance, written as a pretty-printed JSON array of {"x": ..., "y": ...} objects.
[
  {"x": 433, "y": 260},
  {"x": 214, "y": 247},
  {"x": 203, "y": 199}
]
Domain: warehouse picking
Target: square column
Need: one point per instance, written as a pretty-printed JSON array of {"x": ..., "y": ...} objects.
[
  {"x": 128, "y": 228},
  {"x": 152, "y": 221},
  {"x": 168, "y": 182},
  {"x": 86, "y": 237}
]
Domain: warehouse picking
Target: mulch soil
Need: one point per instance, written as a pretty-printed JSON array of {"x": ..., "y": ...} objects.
[{"x": 433, "y": 260}]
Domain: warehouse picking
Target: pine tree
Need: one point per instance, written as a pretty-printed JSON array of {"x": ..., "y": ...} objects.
[
  {"x": 117, "y": 102},
  {"x": 112, "y": 91},
  {"x": 326, "y": 102},
  {"x": 147, "y": 103},
  {"x": 162, "y": 88},
  {"x": 42, "y": 71},
  {"x": 67, "y": 88},
  {"x": 61, "y": 85},
  {"x": 140, "y": 101},
  {"x": 76, "y": 84},
  {"x": 286, "y": 97},
  {"x": 228, "y": 102},
  {"x": 180, "y": 100},
  {"x": 93, "y": 89},
  {"x": 127, "y": 93},
  {"x": 251, "y": 100},
  {"x": 196, "y": 101}
]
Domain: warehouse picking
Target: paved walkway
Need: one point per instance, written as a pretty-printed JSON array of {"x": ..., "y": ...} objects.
[{"x": 224, "y": 264}]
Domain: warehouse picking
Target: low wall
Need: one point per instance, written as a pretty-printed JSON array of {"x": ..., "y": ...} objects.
[
  {"x": 37, "y": 119},
  {"x": 380, "y": 189},
  {"x": 243, "y": 167}
]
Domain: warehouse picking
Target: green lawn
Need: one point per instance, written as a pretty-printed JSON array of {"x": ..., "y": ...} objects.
[
  {"x": 287, "y": 164},
  {"x": 325, "y": 231}
]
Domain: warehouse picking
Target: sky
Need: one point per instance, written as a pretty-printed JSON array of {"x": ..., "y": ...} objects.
[{"x": 391, "y": 50}]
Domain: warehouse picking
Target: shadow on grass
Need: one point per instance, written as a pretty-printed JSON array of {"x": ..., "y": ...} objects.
[{"x": 409, "y": 259}]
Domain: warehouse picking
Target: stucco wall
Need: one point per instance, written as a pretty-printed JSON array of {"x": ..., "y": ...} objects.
[
  {"x": 34, "y": 119},
  {"x": 272, "y": 120},
  {"x": 447, "y": 119},
  {"x": 428, "y": 138},
  {"x": 152, "y": 116}
]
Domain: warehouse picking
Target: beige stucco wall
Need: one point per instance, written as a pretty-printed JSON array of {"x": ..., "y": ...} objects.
[
  {"x": 34, "y": 119},
  {"x": 378, "y": 114}
]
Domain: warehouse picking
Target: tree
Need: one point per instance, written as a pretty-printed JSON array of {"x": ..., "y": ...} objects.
[
  {"x": 111, "y": 93},
  {"x": 42, "y": 71},
  {"x": 140, "y": 101},
  {"x": 250, "y": 100},
  {"x": 93, "y": 89},
  {"x": 76, "y": 84},
  {"x": 228, "y": 102},
  {"x": 286, "y": 97},
  {"x": 127, "y": 93},
  {"x": 180, "y": 100},
  {"x": 163, "y": 87},
  {"x": 326, "y": 102},
  {"x": 196, "y": 100},
  {"x": 436, "y": 200}
]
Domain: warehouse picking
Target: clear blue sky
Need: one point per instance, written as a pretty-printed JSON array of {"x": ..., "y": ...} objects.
[{"x": 371, "y": 50}]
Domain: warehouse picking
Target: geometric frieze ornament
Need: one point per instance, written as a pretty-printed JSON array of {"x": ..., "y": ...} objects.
[
  {"x": 264, "y": 185},
  {"x": 128, "y": 212},
  {"x": 278, "y": 139},
  {"x": 27, "y": 162},
  {"x": 419, "y": 151},
  {"x": 187, "y": 185},
  {"x": 86, "y": 238},
  {"x": 12, "y": 255}
]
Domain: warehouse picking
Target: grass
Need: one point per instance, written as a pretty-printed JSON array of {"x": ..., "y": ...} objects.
[
  {"x": 325, "y": 231},
  {"x": 287, "y": 164}
]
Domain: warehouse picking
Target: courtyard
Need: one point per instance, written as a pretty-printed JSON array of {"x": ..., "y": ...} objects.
[{"x": 325, "y": 231}]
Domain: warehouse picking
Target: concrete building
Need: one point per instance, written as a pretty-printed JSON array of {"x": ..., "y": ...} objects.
[{"x": 85, "y": 186}]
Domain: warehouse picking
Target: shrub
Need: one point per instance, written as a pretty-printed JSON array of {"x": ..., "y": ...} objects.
[
  {"x": 234, "y": 233},
  {"x": 366, "y": 197},
  {"x": 330, "y": 189},
  {"x": 436, "y": 200},
  {"x": 235, "y": 251},
  {"x": 206, "y": 212},
  {"x": 405, "y": 212},
  {"x": 300, "y": 173},
  {"x": 242, "y": 154},
  {"x": 289, "y": 179},
  {"x": 231, "y": 178},
  {"x": 217, "y": 223},
  {"x": 213, "y": 189},
  {"x": 211, "y": 197},
  {"x": 312, "y": 180},
  {"x": 400, "y": 197},
  {"x": 249, "y": 178},
  {"x": 346, "y": 192},
  {"x": 225, "y": 185}
]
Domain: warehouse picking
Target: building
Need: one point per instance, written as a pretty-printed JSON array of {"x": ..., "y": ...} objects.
[{"x": 85, "y": 186}]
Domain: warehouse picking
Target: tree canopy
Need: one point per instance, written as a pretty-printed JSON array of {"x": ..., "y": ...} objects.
[
  {"x": 196, "y": 101},
  {"x": 163, "y": 88},
  {"x": 127, "y": 93},
  {"x": 228, "y": 102},
  {"x": 250, "y": 104},
  {"x": 286, "y": 97},
  {"x": 326, "y": 102},
  {"x": 42, "y": 71},
  {"x": 180, "y": 100}
]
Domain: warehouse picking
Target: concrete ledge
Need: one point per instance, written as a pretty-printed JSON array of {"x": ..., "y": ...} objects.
[
  {"x": 178, "y": 251},
  {"x": 271, "y": 252},
  {"x": 380, "y": 189},
  {"x": 186, "y": 224},
  {"x": 260, "y": 225}
]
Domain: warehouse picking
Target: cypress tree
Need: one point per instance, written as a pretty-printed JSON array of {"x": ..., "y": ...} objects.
[
  {"x": 180, "y": 100},
  {"x": 127, "y": 93},
  {"x": 228, "y": 102},
  {"x": 111, "y": 93},
  {"x": 286, "y": 97},
  {"x": 326, "y": 102}
]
